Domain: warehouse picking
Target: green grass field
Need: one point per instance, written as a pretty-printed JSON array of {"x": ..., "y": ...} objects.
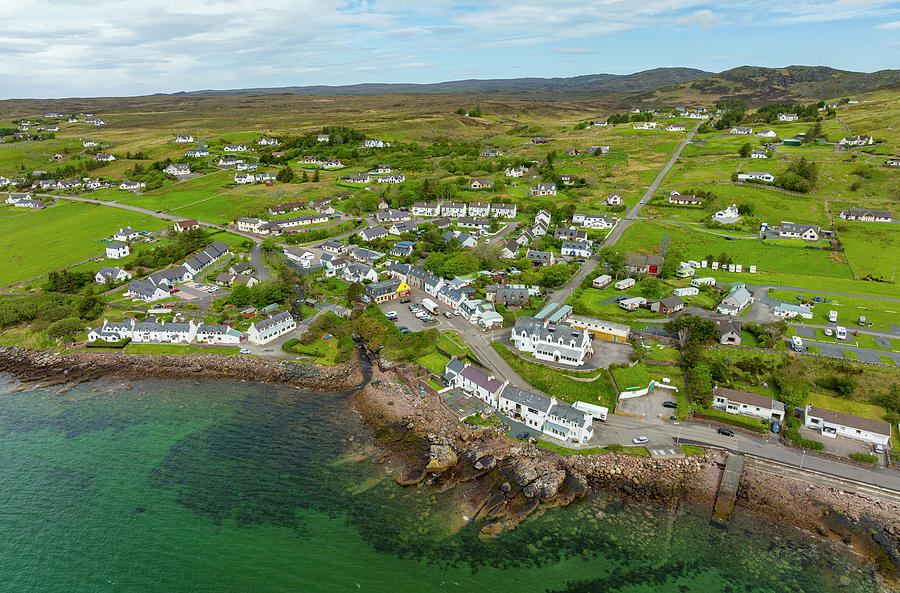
[
  {"x": 37, "y": 242},
  {"x": 555, "y": 382},
  {"x": 880, "y": 313},
  {"x": 177, "y": 349}
]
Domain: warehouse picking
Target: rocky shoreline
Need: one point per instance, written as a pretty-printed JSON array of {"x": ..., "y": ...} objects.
[
  {"x": 498, "y": 480},
  {"x": 504, "y": 481},
  {"x": 44, "y": 369}
]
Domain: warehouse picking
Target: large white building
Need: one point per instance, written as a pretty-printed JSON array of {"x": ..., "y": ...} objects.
[
  {"x": 263, "y": 332},
  {"x": 554, "y": 343}
]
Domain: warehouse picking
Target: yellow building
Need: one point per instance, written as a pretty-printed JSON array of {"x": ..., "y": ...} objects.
[{"x": 601, "y": 329}]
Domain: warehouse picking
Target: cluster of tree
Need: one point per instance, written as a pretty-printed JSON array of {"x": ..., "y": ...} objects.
[
  {"x": 183, "y": 245},
  {"x": 137, "y": 156},
  {"x": 768, "y": 335},
  {"x": 68, "y": 281},
  {"x": 471, "y": 112},
  {"x": 769, "y": 113},
  {"x": 734, "y": 112},
  {"x": 697, "y": 333},
  {"x": 813, "y": 133},
  {"x": 624, "y": 118},
  {"x": 260, "y": 295},
  {"x": 800, "y": 176},
  {"x": 74, "y": 169},
  {"x": 44, "y": 309},
  {"x": 890, "y": 401}
]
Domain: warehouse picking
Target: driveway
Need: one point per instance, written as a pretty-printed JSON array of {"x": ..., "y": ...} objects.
[
  {"x": 838, "y": 445},
  {"x": 650, "y": 405},
  {"x": 196, "y": 296},
  {"x": 406, "y": 318}
]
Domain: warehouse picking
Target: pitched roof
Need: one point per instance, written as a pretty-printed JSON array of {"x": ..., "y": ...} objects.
[
  {"x": 868, "y": 424},
  {"x": 749, "y": 398}
]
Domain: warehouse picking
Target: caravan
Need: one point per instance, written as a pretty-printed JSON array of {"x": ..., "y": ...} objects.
[
  {"x": 832, "y": 316},
  {"x": 796, "y": 344},
  {"x": 840, "y": 333}
]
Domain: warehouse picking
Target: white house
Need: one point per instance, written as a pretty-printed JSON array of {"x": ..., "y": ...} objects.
[
  {"x": 759, "y": 154},
  {"x": 543, "y": 189},
  {"x": 516, "y": 171},
  {"x": 788, "y": 117},
  {"x": 866, "y": 215},
  {"x": 756, "y": 176},
  {"x": 429, "y": 209},
  {"x": 374, "y": 143},
  {"x": 196, "y": 153},
  {"x": 453, "y": 209},
  {"x": 555, "y": 343},
  {"x": 146, "y": 291},
  {"x": 90, "y": 143},
  {"x": 545, "y": 414},
  {"x": 205, "y": 258},
  {"x": 593, "y": 221},
  {"x": 479, "y": 384},
  {"x": 244, "y": 178},
  {"x": 857, "y": 141},
  {"x": 235, "y": 148},
  {"x": 834, "y": 424},
  {"x": 742, "y": 130},
  {"x": 372, "y": 233},
  {"x": 576, "y": 248},
  {"x": 184, "y": 139},
  {"x": 268, "y": 142},
  {"x": 209, "y": 333},
  {"x": 503, "y": 210},
  {"x": 392, "y": 179},
  {"x": 793, "y": 230},
  {"x": 104, "y": 157},
  {"x": 735, "y": 302},
  {"x": 117, "y": 250},
  {"x": 263, "y": 332},
  {"x": 177, "y": 169},
  {"x": 126, "y": 234},
  {"x": 115, "y": 274},
  {"x": 332, "y": 164},
  {"x": 747, "y": 404},
  {"x": 323, "y": 138},
  {"x": 614, "y": 199},
  {"x": 766, "y": 133},
  {"x": 647, "y": 125}
]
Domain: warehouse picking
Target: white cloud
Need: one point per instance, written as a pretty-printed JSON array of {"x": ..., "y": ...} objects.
[
  {"x": 705, "y": 19},
  {"x": 891, "y": 25}
]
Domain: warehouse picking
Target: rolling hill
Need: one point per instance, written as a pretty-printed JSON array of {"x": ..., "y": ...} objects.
[{"x": 765, "y": 85}]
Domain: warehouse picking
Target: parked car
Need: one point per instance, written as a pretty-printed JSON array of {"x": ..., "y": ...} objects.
[
  {"x": 828, "y": 331},
  {"x": 404, "y": 330},
  {"x": 448, "y": 314},
  {"x": 879, "y": 449},
  {"x": 640, "y": 440},
  {"x": 406, "y": 300},
  {"x": 672, "y": 405},
  {"x": 245, "y": 351},
  {"x": 391, "y": 314},
  {"x": 402, "y": 327},
  {"x": 726, "y": 432}
]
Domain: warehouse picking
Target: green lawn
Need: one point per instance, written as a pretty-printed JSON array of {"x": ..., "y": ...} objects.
[
  {"x": 631, "y": 378},
  {"x": 452, "y": 344},
  {"x": 646, "y": 237},
  {"x": 319, "y": 351},
  {"x": 434, "y": 362},
  {"x": 176, "y": 349},
  {"x": 866, "y": 245},
  {"x": 555, "y": 382},
  {"x": 880, "y": 313},
  {"x": 660, "y": 352},
  {"x": 37, "y": 242}
]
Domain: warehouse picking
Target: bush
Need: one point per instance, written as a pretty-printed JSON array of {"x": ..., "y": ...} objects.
[
  {"x": 289, "y": 345},
  {"x": 615, "y": 447},
  {"x": 864, "y": 458},
  {"x": 793, "y": 435},
  {"x": 845, "y": 386},
  {"x": 101, "y": 344},
  {"x": 65, "y": 327}
]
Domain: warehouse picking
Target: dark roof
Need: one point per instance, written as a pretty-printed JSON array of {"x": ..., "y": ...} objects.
[
  {"x": 868, "y": 424},
  {"x": 746, "y": 397}
]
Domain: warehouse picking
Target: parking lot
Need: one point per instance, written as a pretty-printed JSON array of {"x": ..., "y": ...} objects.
[
  {"x": 650, "y": 405},
  {"x": 197, "y": 296},
  {"x": 406, "y": 318}
]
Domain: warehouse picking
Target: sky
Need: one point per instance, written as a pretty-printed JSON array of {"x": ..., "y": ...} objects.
[{"x": 89, "y": 48}]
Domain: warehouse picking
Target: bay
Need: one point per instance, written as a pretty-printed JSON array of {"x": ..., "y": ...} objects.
[{"x": 228, "y": 486}]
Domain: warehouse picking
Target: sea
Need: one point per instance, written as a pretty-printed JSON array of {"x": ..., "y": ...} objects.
[{"x": 234, "y": 486}]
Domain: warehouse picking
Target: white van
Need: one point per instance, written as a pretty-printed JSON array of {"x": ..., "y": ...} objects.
[
  {"x": 840, "y": 333},
  {"x": 832, "y": 316},
  {"x": 796, "y": 344}
]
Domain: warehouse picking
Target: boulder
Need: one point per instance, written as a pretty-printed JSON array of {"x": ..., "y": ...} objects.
[{"x": 441, "y": 458}]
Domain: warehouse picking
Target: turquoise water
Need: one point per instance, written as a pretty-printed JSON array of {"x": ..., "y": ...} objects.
[{"x": 176, "y": 486}]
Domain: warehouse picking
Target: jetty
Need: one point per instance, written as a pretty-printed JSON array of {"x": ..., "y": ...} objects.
[{"x": 731, "y": 478}]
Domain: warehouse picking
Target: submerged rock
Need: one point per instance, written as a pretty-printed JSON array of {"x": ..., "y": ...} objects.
[{"x": 441, "y": 458}]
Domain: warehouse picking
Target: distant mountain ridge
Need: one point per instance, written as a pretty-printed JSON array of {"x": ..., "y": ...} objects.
[
  {"x": 758, "y": 85},
  {"x": 599, "y": 84}
]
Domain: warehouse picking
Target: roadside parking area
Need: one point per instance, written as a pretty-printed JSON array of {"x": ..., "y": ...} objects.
[
  {"x": 838, "y": 445},
  {"x": 650, "y": 405},
  {"x": 405, "y": 317}
]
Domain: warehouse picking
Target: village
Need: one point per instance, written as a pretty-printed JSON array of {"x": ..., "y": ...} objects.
[{"x": 564, "y": 287}]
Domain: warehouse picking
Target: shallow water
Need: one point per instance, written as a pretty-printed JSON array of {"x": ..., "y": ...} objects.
[{"x": 240, "y": 487}]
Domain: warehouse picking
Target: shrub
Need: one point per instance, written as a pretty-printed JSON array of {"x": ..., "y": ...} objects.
[
  {"x": 864, "y": 458},
  {"x": 65, "y": 327},
  {"x": 289, "y": 345},
  {"x": 101, "y": 344},
  {"x": 793, "y": 435},
  {"x": 615, "y": 447},
  {"x": 845, "y": 386}
]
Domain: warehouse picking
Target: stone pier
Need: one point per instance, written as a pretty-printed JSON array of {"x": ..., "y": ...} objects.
[{"x": 731, "y": 477}]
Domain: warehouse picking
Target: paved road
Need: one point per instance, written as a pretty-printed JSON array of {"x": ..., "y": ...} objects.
[
  {"x": 263, "y": 272},
  {"x": 753, "y": 287},
  {"x": 621, "y": 429},
  {"x": 562, "y": 295},
  {"x": 836, "y": 350},
  {"x": 160, "y": 215}
]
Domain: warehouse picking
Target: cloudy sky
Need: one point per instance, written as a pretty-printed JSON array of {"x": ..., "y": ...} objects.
[{"x": 62, "y": 48}]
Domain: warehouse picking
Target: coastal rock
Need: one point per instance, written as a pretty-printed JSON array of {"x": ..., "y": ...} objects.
[
  {"x": 441, "y": 458},
  {"x": 546, "y": 486},
  {"x": 485, "y": 463}
]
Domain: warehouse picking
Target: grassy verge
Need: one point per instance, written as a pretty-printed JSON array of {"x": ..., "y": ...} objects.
[
  {"x": 434, "y": 362},
  {"x": 630, "y": 378},
  {"x": 691, "y": 450},
  {"x": 177, "y": 349},
  {"x": 554, "y": 381},
  {"x": 633, "y": 451},
  {"x": 734, "y": 419}
]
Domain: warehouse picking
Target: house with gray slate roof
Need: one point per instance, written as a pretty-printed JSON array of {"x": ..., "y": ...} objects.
[
  {"x": 263, "y": 332},
  {"x": 551, "y": 342}
]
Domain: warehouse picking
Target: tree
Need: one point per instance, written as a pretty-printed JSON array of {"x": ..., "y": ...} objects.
[
  {"x": 285, "y": 175},
  {"x": 355, "y": 292},
  {"x": 554, "y": 275},
  {"x": 793, "y": 389},
  {"x": 745, "y": 150},
  {"x": 615, "y": 260},
  {"x": 65, "y": 327},
  {"x": 650, "y": 287},
  {"x": 304, "y": 178},
  {"x": 316, "y": 175},
  {"x": 240, "y": 296},
  {"x": 813, "y": 133}
]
